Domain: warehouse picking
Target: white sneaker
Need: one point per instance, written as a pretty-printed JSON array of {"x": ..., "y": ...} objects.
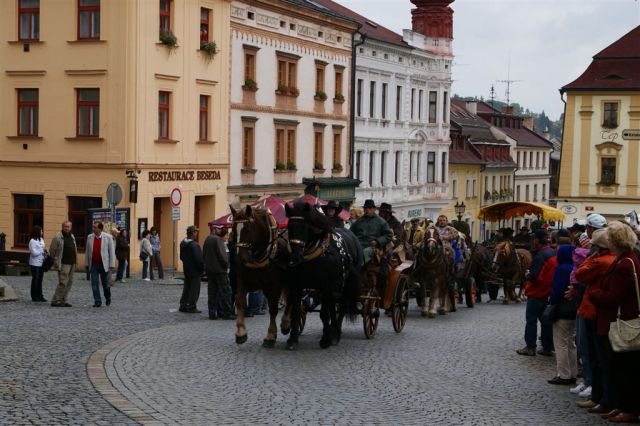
[
  {"x": 146, "y": 279},
  {"x": 586, "y": 393},
  {"x": 581, "y": 386}
]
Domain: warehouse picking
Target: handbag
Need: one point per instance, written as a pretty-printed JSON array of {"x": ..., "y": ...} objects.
[
  {"x": 625, "y": 335},
  {"x": 143, "y": 256},
  {"x": 47, "y": 263}
]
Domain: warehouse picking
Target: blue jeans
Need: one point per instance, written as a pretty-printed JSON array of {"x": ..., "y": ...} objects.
[
  {"x": 145, "y": 268},
  {"x": 99, "y": 274},
  {"x": 122, "y": 266},
  {"x": 583, "y": 350},
  {"x": 255, "y": 302},
  {"x": 604, "y": 386},
  {"x": 535, "y": 308}
]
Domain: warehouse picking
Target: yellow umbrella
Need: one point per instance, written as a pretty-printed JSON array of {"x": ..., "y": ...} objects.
[{"x": 511, "y": 209}]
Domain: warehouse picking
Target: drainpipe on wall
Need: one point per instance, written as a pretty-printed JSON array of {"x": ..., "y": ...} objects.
[{"x": 352, "y": 115}]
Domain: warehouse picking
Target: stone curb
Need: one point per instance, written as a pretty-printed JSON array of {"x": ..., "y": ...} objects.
[{"x": 98, "y": 376}]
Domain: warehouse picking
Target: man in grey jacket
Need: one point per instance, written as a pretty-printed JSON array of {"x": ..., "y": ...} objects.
[
  {"x": 64, "y": 252},
  {"x": 100, "y": 258},
  {"x": 216, "y": 264}
]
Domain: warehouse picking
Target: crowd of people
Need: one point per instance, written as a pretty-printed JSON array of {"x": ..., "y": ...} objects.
[{"x": 576, "y": 290}]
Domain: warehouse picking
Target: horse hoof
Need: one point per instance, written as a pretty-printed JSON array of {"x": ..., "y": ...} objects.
[
  {"x": 268, "y": 344},
  {"x": 442, "y": 312},
  {"x": 292, "y": 346},
  {"x": 424, "y": 313},
  {"x": 335, "y": 341},
  {"x": 325, "y": 343},
  {"x": 518, "y": 300},
  {"x": 505, "y": 302},
  {"x": 241, "y": 339},
  {"x": 285, "y": 330},
  {"x": 431, "y": 314}
]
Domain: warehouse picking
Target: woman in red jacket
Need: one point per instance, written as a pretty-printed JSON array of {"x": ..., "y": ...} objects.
[{"x": 619, "y": 293}]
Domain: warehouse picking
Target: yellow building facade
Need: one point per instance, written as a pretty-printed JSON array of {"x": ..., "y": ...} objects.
[
  {"x": 464, "y": 180},
  {"x": 91, "y": 95},
  {"x": 599, "y": 170}
]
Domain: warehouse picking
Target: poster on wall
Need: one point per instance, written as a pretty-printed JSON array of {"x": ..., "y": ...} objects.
[{"x": 122, "y": 219}]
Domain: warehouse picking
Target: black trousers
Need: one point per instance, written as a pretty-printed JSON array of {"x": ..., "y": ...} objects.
[
  {"x": 625, "y": 373},
  {"x": 37, "y": 272},
  {"x": 190, "y": 292}
]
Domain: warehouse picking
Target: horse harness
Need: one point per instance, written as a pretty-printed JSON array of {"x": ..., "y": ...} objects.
[{"x": 272, "y": 247}]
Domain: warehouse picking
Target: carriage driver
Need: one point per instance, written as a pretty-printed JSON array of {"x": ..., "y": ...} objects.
[{"x": 371, "y": 230}]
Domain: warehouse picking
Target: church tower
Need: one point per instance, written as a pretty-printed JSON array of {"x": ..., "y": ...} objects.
[{"x": 433, "y": 18}]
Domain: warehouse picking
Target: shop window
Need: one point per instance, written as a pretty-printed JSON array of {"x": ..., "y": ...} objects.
[
  {"x": 610, "y": 115},
  {"x": 28, "y": 107},
  {"x": 88, "y": 19},
  {"x": 88, "y": 113},
  {"x": 203, "y": 125},
  {"x": 165, "y": 16},
  {"x": 27, "y": 212},
  {"x": 433, "y": 104},
  {"x": 607, "y": 171},
  {"x": 318, "y": 148},
  {"x": 205, "y": 19},
  {"x": 164, "y": 115},
  {"x": 79, "y": 217},
  {"x": 29, "y": 20}
]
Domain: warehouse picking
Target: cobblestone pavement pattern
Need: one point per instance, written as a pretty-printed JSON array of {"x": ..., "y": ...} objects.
[{"x": 185, "y": 369}]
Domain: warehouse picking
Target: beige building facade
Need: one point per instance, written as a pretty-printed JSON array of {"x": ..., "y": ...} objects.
[
  {"x": 130, "y": 92},
  {"x": 599, "y": 170}
]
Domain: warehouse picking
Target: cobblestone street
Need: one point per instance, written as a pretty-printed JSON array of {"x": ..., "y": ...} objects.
[{"x": 178, "y": 368}]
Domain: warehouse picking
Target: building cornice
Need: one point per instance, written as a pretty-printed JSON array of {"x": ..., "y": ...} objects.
[{"x": 283, "y": 111}]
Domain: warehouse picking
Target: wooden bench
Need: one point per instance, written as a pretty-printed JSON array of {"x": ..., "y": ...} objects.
[{"x": 14, "y": 263}]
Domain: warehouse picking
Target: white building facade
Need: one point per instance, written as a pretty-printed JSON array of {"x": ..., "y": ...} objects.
[
  {"x": 402, "y": 103},
  {"x": 290, "y": 85}
]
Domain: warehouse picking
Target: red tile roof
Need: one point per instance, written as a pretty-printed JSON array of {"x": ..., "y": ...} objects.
[
  {"x": 464, "y": 157},
  {"x": 526, "y": 137},
  {"x": 372, "y": 29},
  {"x": 617, "y": 67}
]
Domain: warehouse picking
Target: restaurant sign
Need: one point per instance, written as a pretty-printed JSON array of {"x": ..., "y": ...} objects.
[{"x": 184, "y": 175}]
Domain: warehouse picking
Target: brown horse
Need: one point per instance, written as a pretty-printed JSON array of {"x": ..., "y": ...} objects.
[
  {"x": 261, "y": 264},
  {"x": 511, "y": 265},
  {"x": 434, "y": 266}
]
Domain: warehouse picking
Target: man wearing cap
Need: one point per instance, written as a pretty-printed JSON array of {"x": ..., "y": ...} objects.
[
  {"x": 372, "y": 230},
  {"x": 386, "y": 212},
  {"x": 332, "y": 210},
  {"x": 595, "y": 221},
  {"x": 538, "y": 290},
  {"x": 193, "y": 266}
]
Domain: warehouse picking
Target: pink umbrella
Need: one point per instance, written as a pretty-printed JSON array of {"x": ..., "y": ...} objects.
[{"x": 273, "y": 203}]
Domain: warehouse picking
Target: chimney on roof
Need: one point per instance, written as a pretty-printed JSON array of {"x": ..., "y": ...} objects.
[
  {"x": 546, "y": 134},
  {"x": 433, "y": 18},
  {"x": 472, "y": 107},
  {"x": 528, "y": 122}
]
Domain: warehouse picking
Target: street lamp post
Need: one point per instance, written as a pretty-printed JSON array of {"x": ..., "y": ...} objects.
[{"x": 460, "y": 208}]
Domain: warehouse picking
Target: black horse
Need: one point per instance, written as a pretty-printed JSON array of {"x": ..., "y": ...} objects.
[
  {"x": 325, "y": 259},
  {"x": 261, "y": 264}
]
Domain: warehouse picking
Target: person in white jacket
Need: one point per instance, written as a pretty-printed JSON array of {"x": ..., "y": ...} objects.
[
  {"x": 100, "y": 258},
  {"x": 37, "y": 253}
]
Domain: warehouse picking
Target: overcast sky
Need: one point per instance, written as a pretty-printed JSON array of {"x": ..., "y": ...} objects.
[{"x": 550, "y": 42}]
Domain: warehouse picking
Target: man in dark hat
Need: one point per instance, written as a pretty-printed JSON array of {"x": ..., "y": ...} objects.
[
  {"x": 193, "y": 266},
  {"x": 332, "y": 210},
  {"x": 372, "y": 230},
  {"x": 386, "y": 212},
  {"x": 523, "y": 239}
]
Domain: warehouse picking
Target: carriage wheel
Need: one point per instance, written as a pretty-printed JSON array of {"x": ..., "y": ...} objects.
[
  {"x": 400, "y": 304},
  {"x": 303, "y": 317},
  {"x": 371, "y": 313},
  {"x": 470, "y": 292}
]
